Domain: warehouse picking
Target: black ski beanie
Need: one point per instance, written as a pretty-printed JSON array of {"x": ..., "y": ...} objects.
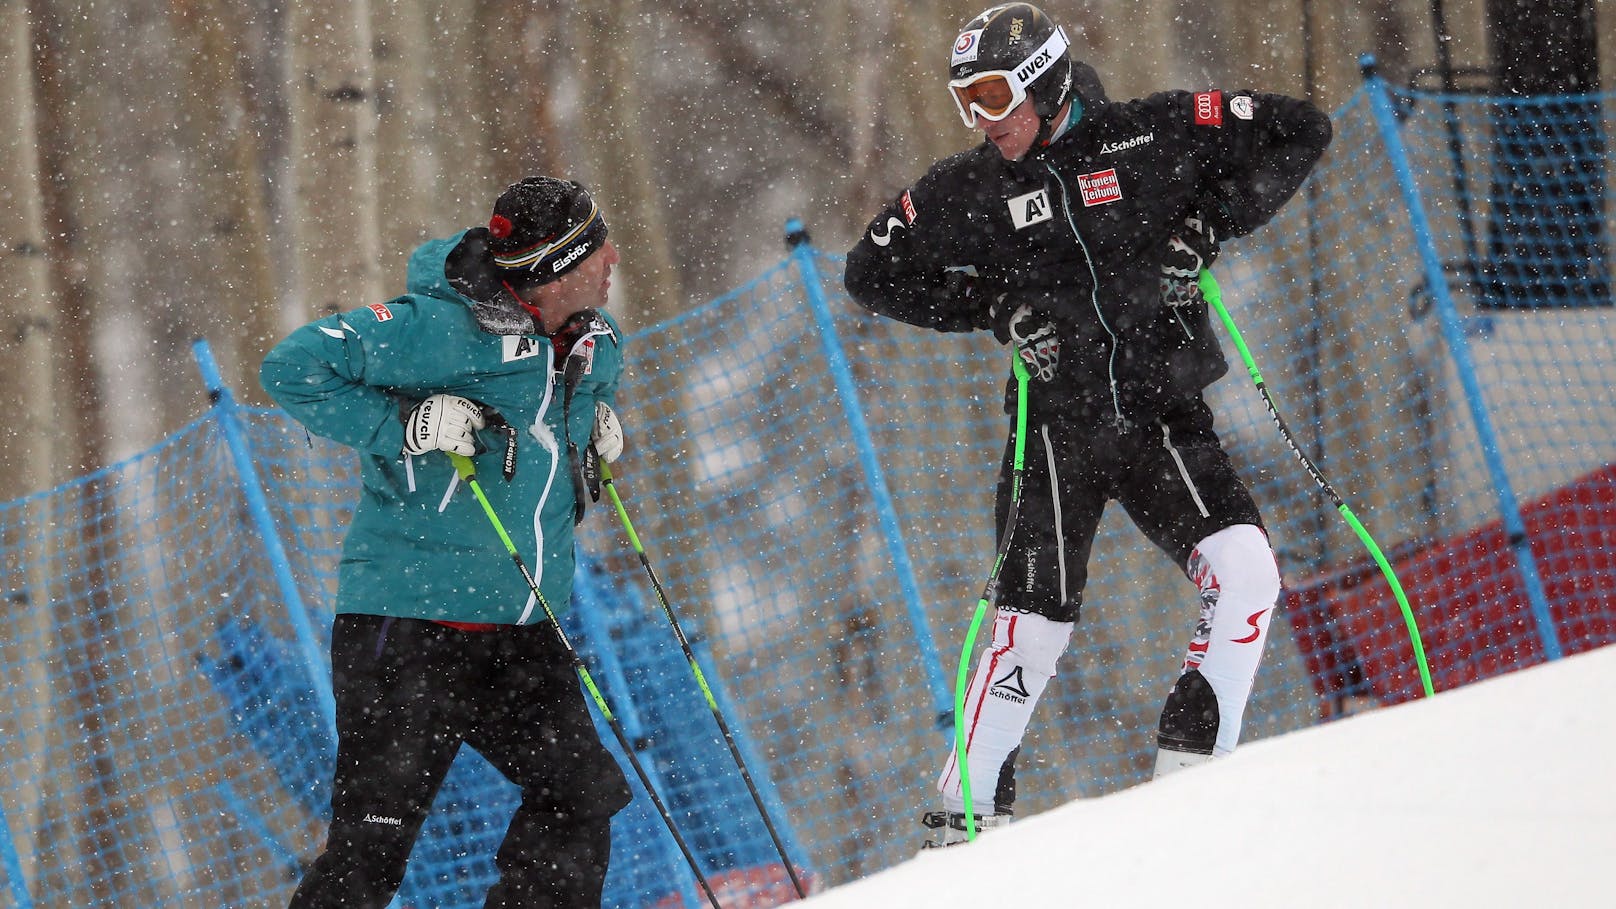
[{"x": 542, "y": 228}]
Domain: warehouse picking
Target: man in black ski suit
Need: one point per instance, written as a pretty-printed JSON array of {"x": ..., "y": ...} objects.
[{"x": 1076, "y": 232}]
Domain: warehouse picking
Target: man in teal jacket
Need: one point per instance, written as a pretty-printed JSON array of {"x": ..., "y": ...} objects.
[{"x": 499, "y": 351}]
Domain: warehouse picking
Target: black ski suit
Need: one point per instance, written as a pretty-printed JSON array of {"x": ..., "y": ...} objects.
[{"x": 1077, "y": 230}]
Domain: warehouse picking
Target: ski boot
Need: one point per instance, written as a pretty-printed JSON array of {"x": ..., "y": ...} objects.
[{"x": 947, "y": 828}]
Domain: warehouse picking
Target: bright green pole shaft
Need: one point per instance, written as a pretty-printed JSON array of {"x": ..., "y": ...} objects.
[
  {"x": 1214, "y": 296},
  {"x": 989, "y": 594}
]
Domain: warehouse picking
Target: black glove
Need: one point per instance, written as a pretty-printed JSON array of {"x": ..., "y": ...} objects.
[
  {"x": 958, "y": 300},
  {"x": 1194, "y": 248}
]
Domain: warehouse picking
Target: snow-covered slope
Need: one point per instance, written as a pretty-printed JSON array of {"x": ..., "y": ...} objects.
[{"x": 1502, "y": 793}]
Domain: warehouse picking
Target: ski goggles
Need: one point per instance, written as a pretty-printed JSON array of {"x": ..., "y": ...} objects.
[{"x": 994, "y": 93}]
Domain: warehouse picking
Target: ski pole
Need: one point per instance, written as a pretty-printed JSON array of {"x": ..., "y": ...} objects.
[
  {"x": 695, "y": 669},
  {"x": 1214, "y": 296},
  {"x": 468, "y": 474},
  {"x": 989, "y": 594}
]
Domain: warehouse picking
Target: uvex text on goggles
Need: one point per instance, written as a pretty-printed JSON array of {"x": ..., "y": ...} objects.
[{"x": 993, "y": 94}]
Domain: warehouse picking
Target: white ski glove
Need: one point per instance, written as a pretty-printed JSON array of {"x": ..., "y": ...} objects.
[
  {"x": 607, "y": 436},
  {"x": 443, "y": 423},
  {"x": 1037, "y": 342}
]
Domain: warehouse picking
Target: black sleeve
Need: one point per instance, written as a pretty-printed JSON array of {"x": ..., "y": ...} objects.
[
  {"x": 899, "y": 269},
  {"x": 1256, "y": 156}
]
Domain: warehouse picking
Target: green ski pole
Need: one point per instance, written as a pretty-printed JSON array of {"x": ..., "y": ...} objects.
[
  {"x": 989, "y": 594},
  {"x": 695, "y": 669},
  {"x": 1214, "y": 296},
  {"x": 468, "y": 475}
]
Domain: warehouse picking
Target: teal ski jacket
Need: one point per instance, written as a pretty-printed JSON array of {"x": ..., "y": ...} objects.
[{"x": 420, "y": 545}]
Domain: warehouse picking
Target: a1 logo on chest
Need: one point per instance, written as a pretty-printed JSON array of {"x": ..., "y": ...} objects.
[
  {"x": 1030, "y": 209},
  {"x": 521, "y": 347}
]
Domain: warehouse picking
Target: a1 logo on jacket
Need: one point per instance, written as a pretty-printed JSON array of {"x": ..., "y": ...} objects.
[{"x": 1030, "y": 209}]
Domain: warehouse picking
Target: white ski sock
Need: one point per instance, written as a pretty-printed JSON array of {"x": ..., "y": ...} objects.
[
  {"x": 1239, "y": 582},
  {"x": 1012, "y": 673}
]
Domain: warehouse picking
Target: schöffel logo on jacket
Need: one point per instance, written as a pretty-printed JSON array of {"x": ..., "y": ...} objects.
[
  {"x": 1126, "y": 144},
  {"x": 1100, "y": 187}
]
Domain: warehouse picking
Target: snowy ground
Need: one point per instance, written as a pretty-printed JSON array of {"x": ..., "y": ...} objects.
[{"x": 1502, "y": 793}]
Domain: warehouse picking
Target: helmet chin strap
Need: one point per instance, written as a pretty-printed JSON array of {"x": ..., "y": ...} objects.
[
  {"x": 1045, "y": 133},
  {"x": 1046, "y": 125}
]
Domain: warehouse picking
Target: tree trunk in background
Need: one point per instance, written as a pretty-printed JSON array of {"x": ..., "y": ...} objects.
[
  {"x": 454, "y": 133},
  {"x": 465, "y": 184},
  {"x": 900, "y": 119},
  {"x": 617, "y": 150},
  {"x": 1605, "y": 27},
  {"x": 240, "y": 317},
  {"x": 407, "y": 157},
  {"x": 27, "y": 327},
  {"x": 1129, "y": 44},
  {"x": 517, "y": 79},
  {"x": 861, "y": 77},
  {"x": 84, "y": 806},
  {"x": 27, "y": 449},
  {"x": 923, "y": 41},
  {"x": 334, "y": 219},
  {"x": 62, "y": 104}
]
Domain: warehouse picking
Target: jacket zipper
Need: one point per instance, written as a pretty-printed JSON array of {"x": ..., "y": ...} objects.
[
  {"x": 1094, "y": 293},
  {"x": 549, "y": 482}
]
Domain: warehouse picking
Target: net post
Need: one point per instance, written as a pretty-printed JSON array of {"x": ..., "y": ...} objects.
[
  {"x": 803, "y": 256},
  {"x": 1459, "y": 348},
  {"x": 227, "y": 412}
]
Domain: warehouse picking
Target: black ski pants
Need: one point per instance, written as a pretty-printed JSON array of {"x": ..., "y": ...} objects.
[
  {"x": 409, "y": 692},
  {"x": 1171, "y": 475}
]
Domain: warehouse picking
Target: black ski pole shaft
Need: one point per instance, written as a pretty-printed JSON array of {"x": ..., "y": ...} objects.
[
  {"x": 468, "y": 474},
  {"x": 1214, "y": 297},
  {"x": 701, "y": 680}
]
